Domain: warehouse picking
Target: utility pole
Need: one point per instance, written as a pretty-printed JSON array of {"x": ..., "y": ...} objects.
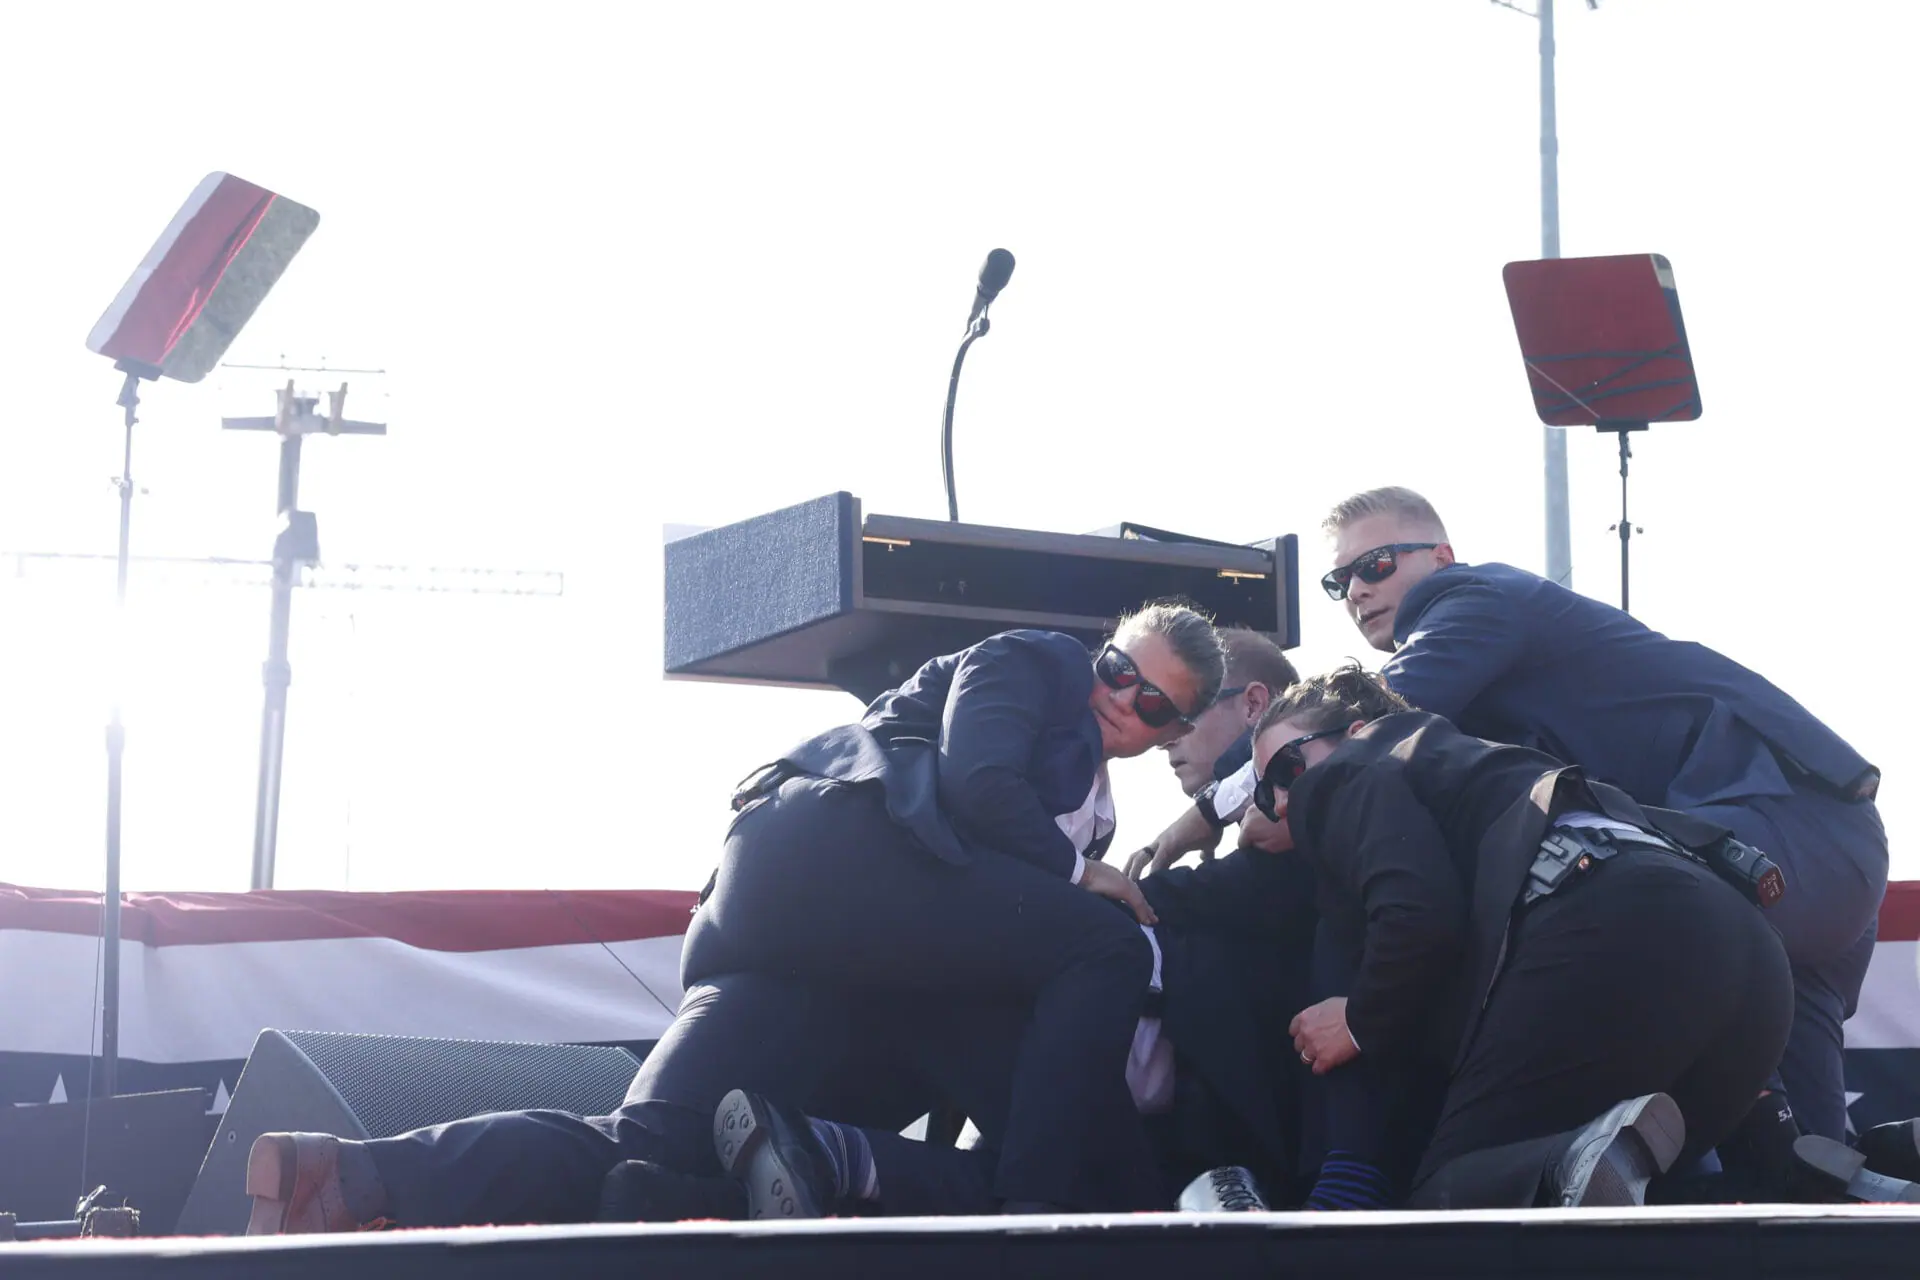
[
  {"x": 296, "y": 546},
  {"x": 295, "y": 563},
  {"x": 1553, "y": 439}
]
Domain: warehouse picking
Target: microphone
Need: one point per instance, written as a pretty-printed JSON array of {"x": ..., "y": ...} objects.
[{"x": 994, "y": 274}]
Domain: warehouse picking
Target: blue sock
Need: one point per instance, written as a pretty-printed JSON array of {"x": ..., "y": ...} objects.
[
  {"x": 1348, "y": 1182},
  {"x": 850, "y": 1158}
]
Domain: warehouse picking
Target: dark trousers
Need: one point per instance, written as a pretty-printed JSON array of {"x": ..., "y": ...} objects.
[
  {"x": 811, "y": 1046},
  {"x": 1649, "y": 975},
  {"x": 1203, "y": 1131},
  {"x": 1380, "y": 1112},
  {"x": 1834, "y": 857},
  {"x": 818, "y": 884}
]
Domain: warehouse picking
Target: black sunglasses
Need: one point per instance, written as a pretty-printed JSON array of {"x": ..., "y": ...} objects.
[
  {"x": 1288, "y": 763},
  {"x": 1370, "y": 567},
  {"x": 1155, "y": 709}
]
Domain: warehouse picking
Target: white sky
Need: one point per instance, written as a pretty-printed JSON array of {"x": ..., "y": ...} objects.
[{"x": 632, "y": 265}]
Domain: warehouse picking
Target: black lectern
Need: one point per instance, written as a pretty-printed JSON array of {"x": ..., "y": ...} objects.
[{"x": 819, "y": 596}]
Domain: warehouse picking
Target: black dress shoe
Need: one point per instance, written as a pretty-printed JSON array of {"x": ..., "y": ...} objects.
[
  {"x": 1893, "y": 1149},
  {"x": 1611, "y": 1160},
  {"x": 640, "y": 1191},
  {"x": 1229, "y": 1189},
  {"x": 774, "y": 1155},
  {"x": 1834, "y": 1172}
]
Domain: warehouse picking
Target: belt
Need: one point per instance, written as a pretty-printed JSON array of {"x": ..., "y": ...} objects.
[{"x": 1570, "y": 852}]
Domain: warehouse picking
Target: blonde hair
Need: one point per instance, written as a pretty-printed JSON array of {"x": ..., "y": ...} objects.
[{"x": 1404, "y": 504}]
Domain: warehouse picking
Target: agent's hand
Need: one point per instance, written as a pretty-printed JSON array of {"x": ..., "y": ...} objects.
[
  {"x": 1190, "y": 833},
  {"x": 1112, "y": 882},
  {"x": 1257, "y": 832},
  {"x": 1321, "y": 1038}
]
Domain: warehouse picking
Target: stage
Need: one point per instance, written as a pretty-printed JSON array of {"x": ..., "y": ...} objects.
[{"x": 1775, "y": 1241}]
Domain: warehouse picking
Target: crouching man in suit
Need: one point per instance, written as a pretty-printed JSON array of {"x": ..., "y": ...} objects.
[
  {"x": 1211, "y": 1069},
  {"x": 1510, "y": 657},
  {"x": 1215, "y": 1075},
  {"x": 1600, "y": 1001},
  {"x": 935, "y": 854}
]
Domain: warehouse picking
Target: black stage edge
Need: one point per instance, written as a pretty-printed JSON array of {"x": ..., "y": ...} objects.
[{"x": 1854, "y": 1242}]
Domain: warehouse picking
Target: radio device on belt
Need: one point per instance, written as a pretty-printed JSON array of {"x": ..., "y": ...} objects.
[{"x": 1570, "y": 850}]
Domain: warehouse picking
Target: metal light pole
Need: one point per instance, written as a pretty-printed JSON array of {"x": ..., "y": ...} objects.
[
  {"x": 1559, "y": 523},
  {"x": 1553, "y": 439}
]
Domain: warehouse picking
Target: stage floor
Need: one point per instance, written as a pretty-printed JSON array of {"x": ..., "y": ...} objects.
[{"x": 1774, "y": 1241}]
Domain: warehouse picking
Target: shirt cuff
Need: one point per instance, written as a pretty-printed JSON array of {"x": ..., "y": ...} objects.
[
  {"x": 1234, "y": 793},
  {"x": 1350, "y": 1037},
  {"x": 1079, "y": 867}
]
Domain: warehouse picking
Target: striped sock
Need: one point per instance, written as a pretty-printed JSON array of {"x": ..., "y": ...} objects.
[
  {"x": 1348, "y": 1182},
  {"x": 851, "y": 1158}
]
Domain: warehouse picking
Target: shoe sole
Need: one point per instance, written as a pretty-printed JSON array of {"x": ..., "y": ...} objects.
[
  {"x": 1893, "y": 1151},
  {"x": 1847, "y": 1176},
  {"x": 740, "y": 1139},
  {"x": 1648, "y": 1140},
  {"x": 272, "y": 1166}
]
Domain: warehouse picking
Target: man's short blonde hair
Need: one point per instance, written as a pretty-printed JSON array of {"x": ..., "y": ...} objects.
[{"x": 1403, "y": 504}]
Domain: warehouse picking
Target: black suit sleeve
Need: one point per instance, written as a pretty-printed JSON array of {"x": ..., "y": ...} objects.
[
  {"x": 1377, "y": 842},
  {"x": 1245, "y": 890},
  {"x": 996, "y": 710},
  {"x": 1465, "y": 639}
]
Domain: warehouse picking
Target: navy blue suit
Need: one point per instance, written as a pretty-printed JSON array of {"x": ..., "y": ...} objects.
[
  {"x": 1235, "y": 934},
  {"x": 1236, "y": 938},
  {"x": 917, "y": 852},
  {"x": 1509, "y": 656},
  {"x": 895, "y": 889},
  {"x": 978, "y": 750}
]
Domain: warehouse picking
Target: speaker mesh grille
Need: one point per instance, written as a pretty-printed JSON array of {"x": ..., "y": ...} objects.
[{"x": 394, "y": 1084}]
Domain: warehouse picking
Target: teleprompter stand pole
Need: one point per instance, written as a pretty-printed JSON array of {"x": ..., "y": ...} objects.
[
  {"x": 129, "y": 400},
  {"x": 1625, "y": 528}
]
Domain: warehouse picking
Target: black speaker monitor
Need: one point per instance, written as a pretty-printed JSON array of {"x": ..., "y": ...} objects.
[{"x": 361, "y": 1086}]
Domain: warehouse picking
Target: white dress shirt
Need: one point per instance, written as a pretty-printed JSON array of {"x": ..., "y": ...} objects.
[{"x": 1150, "y": 1062}]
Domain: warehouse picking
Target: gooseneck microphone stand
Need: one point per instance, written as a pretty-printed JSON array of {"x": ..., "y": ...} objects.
[
  {"x": 994, "y": 274},
  {"x": 975, "y": 331}
]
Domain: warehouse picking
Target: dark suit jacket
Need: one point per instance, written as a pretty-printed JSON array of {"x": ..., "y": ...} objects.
[
  {"x": 1423, "y": 837},
  {"x": 1236, "y": 941},
  {"x": 978, "y": 750},
  {"x": 1509, "y": 656}
]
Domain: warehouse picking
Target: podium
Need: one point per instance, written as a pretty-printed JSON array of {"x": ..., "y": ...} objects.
[{"x": 819, "y": 595}]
